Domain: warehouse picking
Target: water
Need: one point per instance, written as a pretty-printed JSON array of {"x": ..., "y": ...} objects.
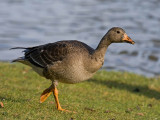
[{"x": 28, "y": 23}]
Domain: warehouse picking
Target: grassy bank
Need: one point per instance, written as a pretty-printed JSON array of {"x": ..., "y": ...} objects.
[{"x": 107, "y": 96}]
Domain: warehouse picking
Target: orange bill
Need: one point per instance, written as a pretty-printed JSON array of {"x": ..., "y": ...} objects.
[{"x": 127, "y": 39}]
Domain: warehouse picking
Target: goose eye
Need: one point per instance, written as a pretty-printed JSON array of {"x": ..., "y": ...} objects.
[{"x": 118, "y": 32}]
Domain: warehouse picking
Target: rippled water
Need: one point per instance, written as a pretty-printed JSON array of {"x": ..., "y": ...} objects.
[{"x": 29, "y": 23}]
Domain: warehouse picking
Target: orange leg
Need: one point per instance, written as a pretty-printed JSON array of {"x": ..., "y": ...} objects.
[
  {"x": 55, "y": 93},
  {"x": 47, "y": 92}
]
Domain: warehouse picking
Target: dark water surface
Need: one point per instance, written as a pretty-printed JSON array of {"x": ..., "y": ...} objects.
[{"x": 28, "y": 23}]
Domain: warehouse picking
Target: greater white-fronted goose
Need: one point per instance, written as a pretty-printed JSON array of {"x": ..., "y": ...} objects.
[{"x": 69, "y": 61}]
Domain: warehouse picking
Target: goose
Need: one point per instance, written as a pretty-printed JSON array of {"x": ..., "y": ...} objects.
[{"x": 69, "y": 61}]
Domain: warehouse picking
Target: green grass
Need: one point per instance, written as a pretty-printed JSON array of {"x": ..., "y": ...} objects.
[{"x": 107, "y": 96}]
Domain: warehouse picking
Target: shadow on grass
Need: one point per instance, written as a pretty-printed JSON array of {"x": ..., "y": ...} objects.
[
  {"x": 137, "y": 89},
  {"x": 2, "y": 98}
]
